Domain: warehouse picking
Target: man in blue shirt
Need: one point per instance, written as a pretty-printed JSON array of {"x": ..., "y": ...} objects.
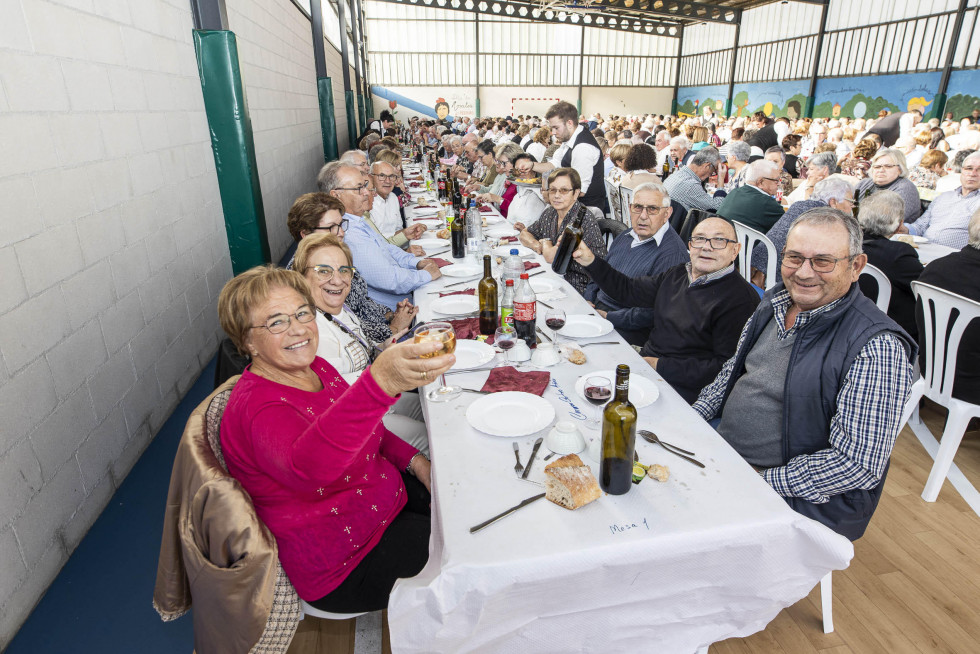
[{"x": 390, "y": 272}]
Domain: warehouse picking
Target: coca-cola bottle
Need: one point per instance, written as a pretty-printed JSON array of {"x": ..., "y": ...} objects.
[{"x": 525, "y": 311}]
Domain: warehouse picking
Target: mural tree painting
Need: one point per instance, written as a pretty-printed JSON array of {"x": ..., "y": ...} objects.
[
  {"x": 961, "y": 105},
  {"x": 858, "y": 106},
  {"x": 740, "y": 103}
]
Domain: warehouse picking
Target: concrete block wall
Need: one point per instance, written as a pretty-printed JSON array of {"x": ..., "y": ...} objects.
[{"x": 112, "y": 253}]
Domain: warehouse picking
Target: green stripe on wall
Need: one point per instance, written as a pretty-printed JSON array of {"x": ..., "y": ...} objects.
[
  {"x": 328, "y": 119},
  {"x": 233, "y": 147}
]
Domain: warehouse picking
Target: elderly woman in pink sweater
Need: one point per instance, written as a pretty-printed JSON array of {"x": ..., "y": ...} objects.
[{"x": 346, "y": 499}]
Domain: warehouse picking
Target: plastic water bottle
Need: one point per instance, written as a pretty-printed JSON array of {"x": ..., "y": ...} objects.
[
  {"x": 474, "y": 230},
  {"x": 513, "y": 266}
]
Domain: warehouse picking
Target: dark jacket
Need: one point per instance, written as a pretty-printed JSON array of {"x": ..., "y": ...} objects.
[
  {"x": 752, "y": 207},
  {"x": 901, "y": 266},
  {"x": 595, "y": 194},
  {"x": 695, "y": 328},
  {"x": 821, "y": 357},
  {"x": 959, "y": 273}
]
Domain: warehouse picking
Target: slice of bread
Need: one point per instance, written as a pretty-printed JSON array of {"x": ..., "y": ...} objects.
[{"x": 569, "y": 483}]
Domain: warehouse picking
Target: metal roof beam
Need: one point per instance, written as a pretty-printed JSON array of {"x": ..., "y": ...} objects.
[{"x": 680, "y": 10}]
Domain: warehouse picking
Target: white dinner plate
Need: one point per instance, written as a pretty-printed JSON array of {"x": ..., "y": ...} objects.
[
  {"x": 422, "y": 212},
  {"x": 585, "y": 327},
  {"x": 503, "y": 229},
  {"x": 493, "y": 219},
  {"x": 917, "y": 239},
  {"x": 429, "y": 242},
  {"x": 472, "y": 354},
  {"x": 504, "y": 250},
  {"x": 544, "y": 284},
  {"x": 643, "y": 392},
  {"x": 454, "y": 305},
  {"x": 510, "y": 413},
  {"x": 462, "y": 270}
]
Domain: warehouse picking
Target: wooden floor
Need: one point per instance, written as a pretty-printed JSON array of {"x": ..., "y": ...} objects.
[{"x": 914, "y": 582}]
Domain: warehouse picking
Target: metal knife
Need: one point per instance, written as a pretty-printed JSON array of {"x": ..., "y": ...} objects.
[
  {"x": 534, "y": 453},
  {"x": 506, "y": 513},
  {"x": 536, "y": 273},
  {"x": 543, "y": 335}
]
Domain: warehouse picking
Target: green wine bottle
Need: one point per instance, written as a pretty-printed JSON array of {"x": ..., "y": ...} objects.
[{"x": 618, "y": 438}]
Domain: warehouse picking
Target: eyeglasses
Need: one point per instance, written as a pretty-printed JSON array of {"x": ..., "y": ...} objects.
[
  {"x": 502, "y": 163},
  {"x": 363, "y": 188},
  {"x": 280, "y": 322},
  {"x": 385, "y": 178},
  {"x": 883, "y": 166},
  {"x": 326, "y": 273},
  {"x": 717, "y": 243},
  {"x": 640, "y": 209},
  {"x": 770, "y": 179},
  {"x": 819, "y": 263},
  {"x": 333, "y": 228},
  {"x": 562, "y": 191}
]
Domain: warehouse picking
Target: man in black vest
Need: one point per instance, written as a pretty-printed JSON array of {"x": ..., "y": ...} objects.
[
  {"x": 814, "y": 395},
  {"x": 579, "y": 150}
]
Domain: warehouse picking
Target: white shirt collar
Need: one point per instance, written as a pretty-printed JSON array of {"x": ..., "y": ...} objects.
[{"x": 658, "y": 236}]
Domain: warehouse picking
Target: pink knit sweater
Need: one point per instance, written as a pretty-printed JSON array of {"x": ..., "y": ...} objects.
[{"x": 322, "y": 470}]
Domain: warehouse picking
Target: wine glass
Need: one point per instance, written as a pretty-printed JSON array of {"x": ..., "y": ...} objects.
[
  {"x": 598, "y": 390},
  {"x": 505, "y": 338},
  {"x": 555, "y": 319},
  {"x": 439, "y": 332}
]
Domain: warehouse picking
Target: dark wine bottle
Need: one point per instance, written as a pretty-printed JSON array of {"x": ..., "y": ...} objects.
[
  {"x": 570, "y": 239},
  {"x": 457, "y": 234},
  {"x": 618, "y": 438},
  {"x": 486, "y": 290},
  {"x": 666, "y": 169}
]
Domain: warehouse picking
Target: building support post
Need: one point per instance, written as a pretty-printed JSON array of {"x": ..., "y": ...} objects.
[
  {"x": 357, "y": 34},
  {"x": 731, "y": 71},
  {"x": 581, "y": 70},
  {"x": 811, "y": 95},
  {"x": 348, "y": 93},
  {"x": 677, "y": 71},
  {"x": 476, "y": 27},
  {"x": 939, "y": 102}
]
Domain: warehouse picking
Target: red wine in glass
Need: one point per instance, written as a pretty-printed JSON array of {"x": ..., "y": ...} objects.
[
  {"x": 505, "y": 343},
  {"x": 555, "y": 323},
  {"x": 598, "y": 394}
]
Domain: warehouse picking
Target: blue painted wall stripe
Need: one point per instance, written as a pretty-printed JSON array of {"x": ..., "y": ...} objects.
[{"x": 406, "y": 102}]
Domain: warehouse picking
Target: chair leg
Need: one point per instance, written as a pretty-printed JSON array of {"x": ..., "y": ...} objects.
[
  {"x": 952, "y": 435},
  {"x": 385, "y": 634},
  {"x": 827, "y": 603}
]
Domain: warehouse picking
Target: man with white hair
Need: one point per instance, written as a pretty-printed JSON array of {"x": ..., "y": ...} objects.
[
  {"x": 945, "y": 221},
  {"x": 661, "y": 143},
  {"x": 648, "y": 249},
  {"x": 959, "y": 273},
  {"x": 687, "y": 184},
  {"x": 357, "y": 159},
  {"x": 680, "y": 152},
  {"x": 753, "y": 204}
]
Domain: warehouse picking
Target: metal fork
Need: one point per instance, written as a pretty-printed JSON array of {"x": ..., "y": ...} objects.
[
  {"x": 518, "y": 467},
  {"x": 650, "y": 437}
]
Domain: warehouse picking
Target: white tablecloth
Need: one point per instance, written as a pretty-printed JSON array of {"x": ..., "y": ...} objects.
[
  {"x": 929, "y": 252},
  {"x": 669, "y": 567}
]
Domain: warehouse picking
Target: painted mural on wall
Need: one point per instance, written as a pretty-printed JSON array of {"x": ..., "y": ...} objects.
[
  {"x": 864, "y": 97},
  {"x": 691, "y": 100},
  {"x": 774, "y": 99},
  {"x": 963, "y": 93}
]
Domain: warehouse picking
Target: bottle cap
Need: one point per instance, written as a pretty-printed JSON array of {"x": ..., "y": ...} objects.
[
  {"x": 509, "y": 282},
  {"x": 524, "y": 275},
  {"x": 513, "y": 250}
]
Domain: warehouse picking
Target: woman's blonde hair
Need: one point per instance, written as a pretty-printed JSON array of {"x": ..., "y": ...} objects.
[
  {"x": 618, "y": 152},
  {"x": 246, "y": 291},
  {"x": 311, "y": 244}
]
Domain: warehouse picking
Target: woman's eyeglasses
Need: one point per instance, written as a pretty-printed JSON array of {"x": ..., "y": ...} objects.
[
  {"x": 326, "y": 273},
  {"x": 333, "y": 228},
  {"x": 279, "y": 323}
]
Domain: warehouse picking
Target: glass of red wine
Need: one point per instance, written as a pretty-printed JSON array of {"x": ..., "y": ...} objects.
[
  {"x": 598, "y": 391},
  {"x": 555, "y": 319},
  {"x": 505, "y": 338}
]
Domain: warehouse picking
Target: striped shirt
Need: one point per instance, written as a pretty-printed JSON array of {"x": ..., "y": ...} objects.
[
  {"x": 945, "y": 221},
  {"x": 862, "y": 432},
  {"x": 687, "y": 188}
]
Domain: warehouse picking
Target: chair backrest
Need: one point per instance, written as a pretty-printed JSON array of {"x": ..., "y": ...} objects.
[
  {"x": 612, "y": 196},
  {"x": 610, "y": 229},
  {"x": 945, "y": 316},
  {"x": 677, "y": 216},
  {"x": 691, "y": 220},
  {"x": 884, "y": 286},
  {"x": 750, "y": 239},
  {"x": 625, "y": 200}
]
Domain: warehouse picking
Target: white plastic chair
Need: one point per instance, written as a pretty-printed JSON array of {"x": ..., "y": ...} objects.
[
  {"x": 827, "y": 602},
  {"x": 625, "y": 200},
  {"x": 940, "y": 352},
  {"x": 884, "y": 286},
  {"x": 612, "y": 197},
  {"x": 750, "y": 239}
]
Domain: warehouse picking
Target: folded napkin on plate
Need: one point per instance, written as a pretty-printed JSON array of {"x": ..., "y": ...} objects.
[
  {"x": 441, "y": 262},
  {"x": 530, "y": 265},
  {"x": 467, "y": 329},
  {"x": 469, "y": 291},
  {"x": 508, "y": 378}
]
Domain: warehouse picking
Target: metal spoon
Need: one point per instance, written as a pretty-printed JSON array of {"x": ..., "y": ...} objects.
[{"x": 650, "y": 437}]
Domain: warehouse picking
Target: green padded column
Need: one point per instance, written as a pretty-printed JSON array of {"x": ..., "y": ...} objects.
[
  {"x": 938, "y": 107},
  {"x": 233, "y": 147},
  {"x": 328, "y": 119},
  {"x": 673, "y": 107},
  {"x": 808, "y": 107},
  {"x": 728, "y": 107},
  {"x": 362, "y": 117},
  {"x": 351, "y": 120}
]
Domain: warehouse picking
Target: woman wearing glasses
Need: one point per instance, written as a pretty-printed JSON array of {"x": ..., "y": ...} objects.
[
  {"x": 328, "y": 267},
  {"x": 889, "y": 171},
  {"x": 346, "y": 500}
]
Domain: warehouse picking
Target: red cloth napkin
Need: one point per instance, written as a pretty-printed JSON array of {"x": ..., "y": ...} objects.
[
  {"x": 530, "y": 265},
  {"x": 485, "y": 209},
  {"x": 507, "y": 378},
  {"x": 441, "y": 262},
  {"x": 469, "y": 291},
  {"x": 508, "y": 239},
  {"x": 467, "y": 329}
]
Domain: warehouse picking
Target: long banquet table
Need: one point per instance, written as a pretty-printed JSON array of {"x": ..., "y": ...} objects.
[{"x": 671, "y": 567}]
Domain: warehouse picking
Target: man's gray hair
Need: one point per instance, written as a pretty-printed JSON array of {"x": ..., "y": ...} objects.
[
  {"x": 826, "y": 160},
  {"x": 776, "y": 148},
  {"x": 835, "y": 187},
  {"x": 881, "y": 213},
  {"x": 896, "y": 155},
  {"x": 329, "y": 177},
  {"x": 654, "y": 186},
  {"x": 682, "y": 141},
  {"x": 454, "y": 140},
  {"x": 352, "y": 157},
  {"x": 741, "y": 150},
  {"x": 975, "y": 155},
  {"x": 826, "y": 216},
  {"x": 961, "y": 155},
  {"x": 708, "y": 155},
  {"x": 759, "y": 169},
  {"x": 973, "y": 230}
]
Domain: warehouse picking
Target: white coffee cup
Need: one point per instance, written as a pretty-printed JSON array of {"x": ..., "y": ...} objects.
[{"x": 520, "y": 351}]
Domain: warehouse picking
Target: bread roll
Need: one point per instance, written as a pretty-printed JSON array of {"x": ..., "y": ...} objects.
[{"x": 569, "y": 483}]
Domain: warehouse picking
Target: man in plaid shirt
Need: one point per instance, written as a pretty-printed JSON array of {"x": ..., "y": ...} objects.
[{"x": 814, "y": 395}]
